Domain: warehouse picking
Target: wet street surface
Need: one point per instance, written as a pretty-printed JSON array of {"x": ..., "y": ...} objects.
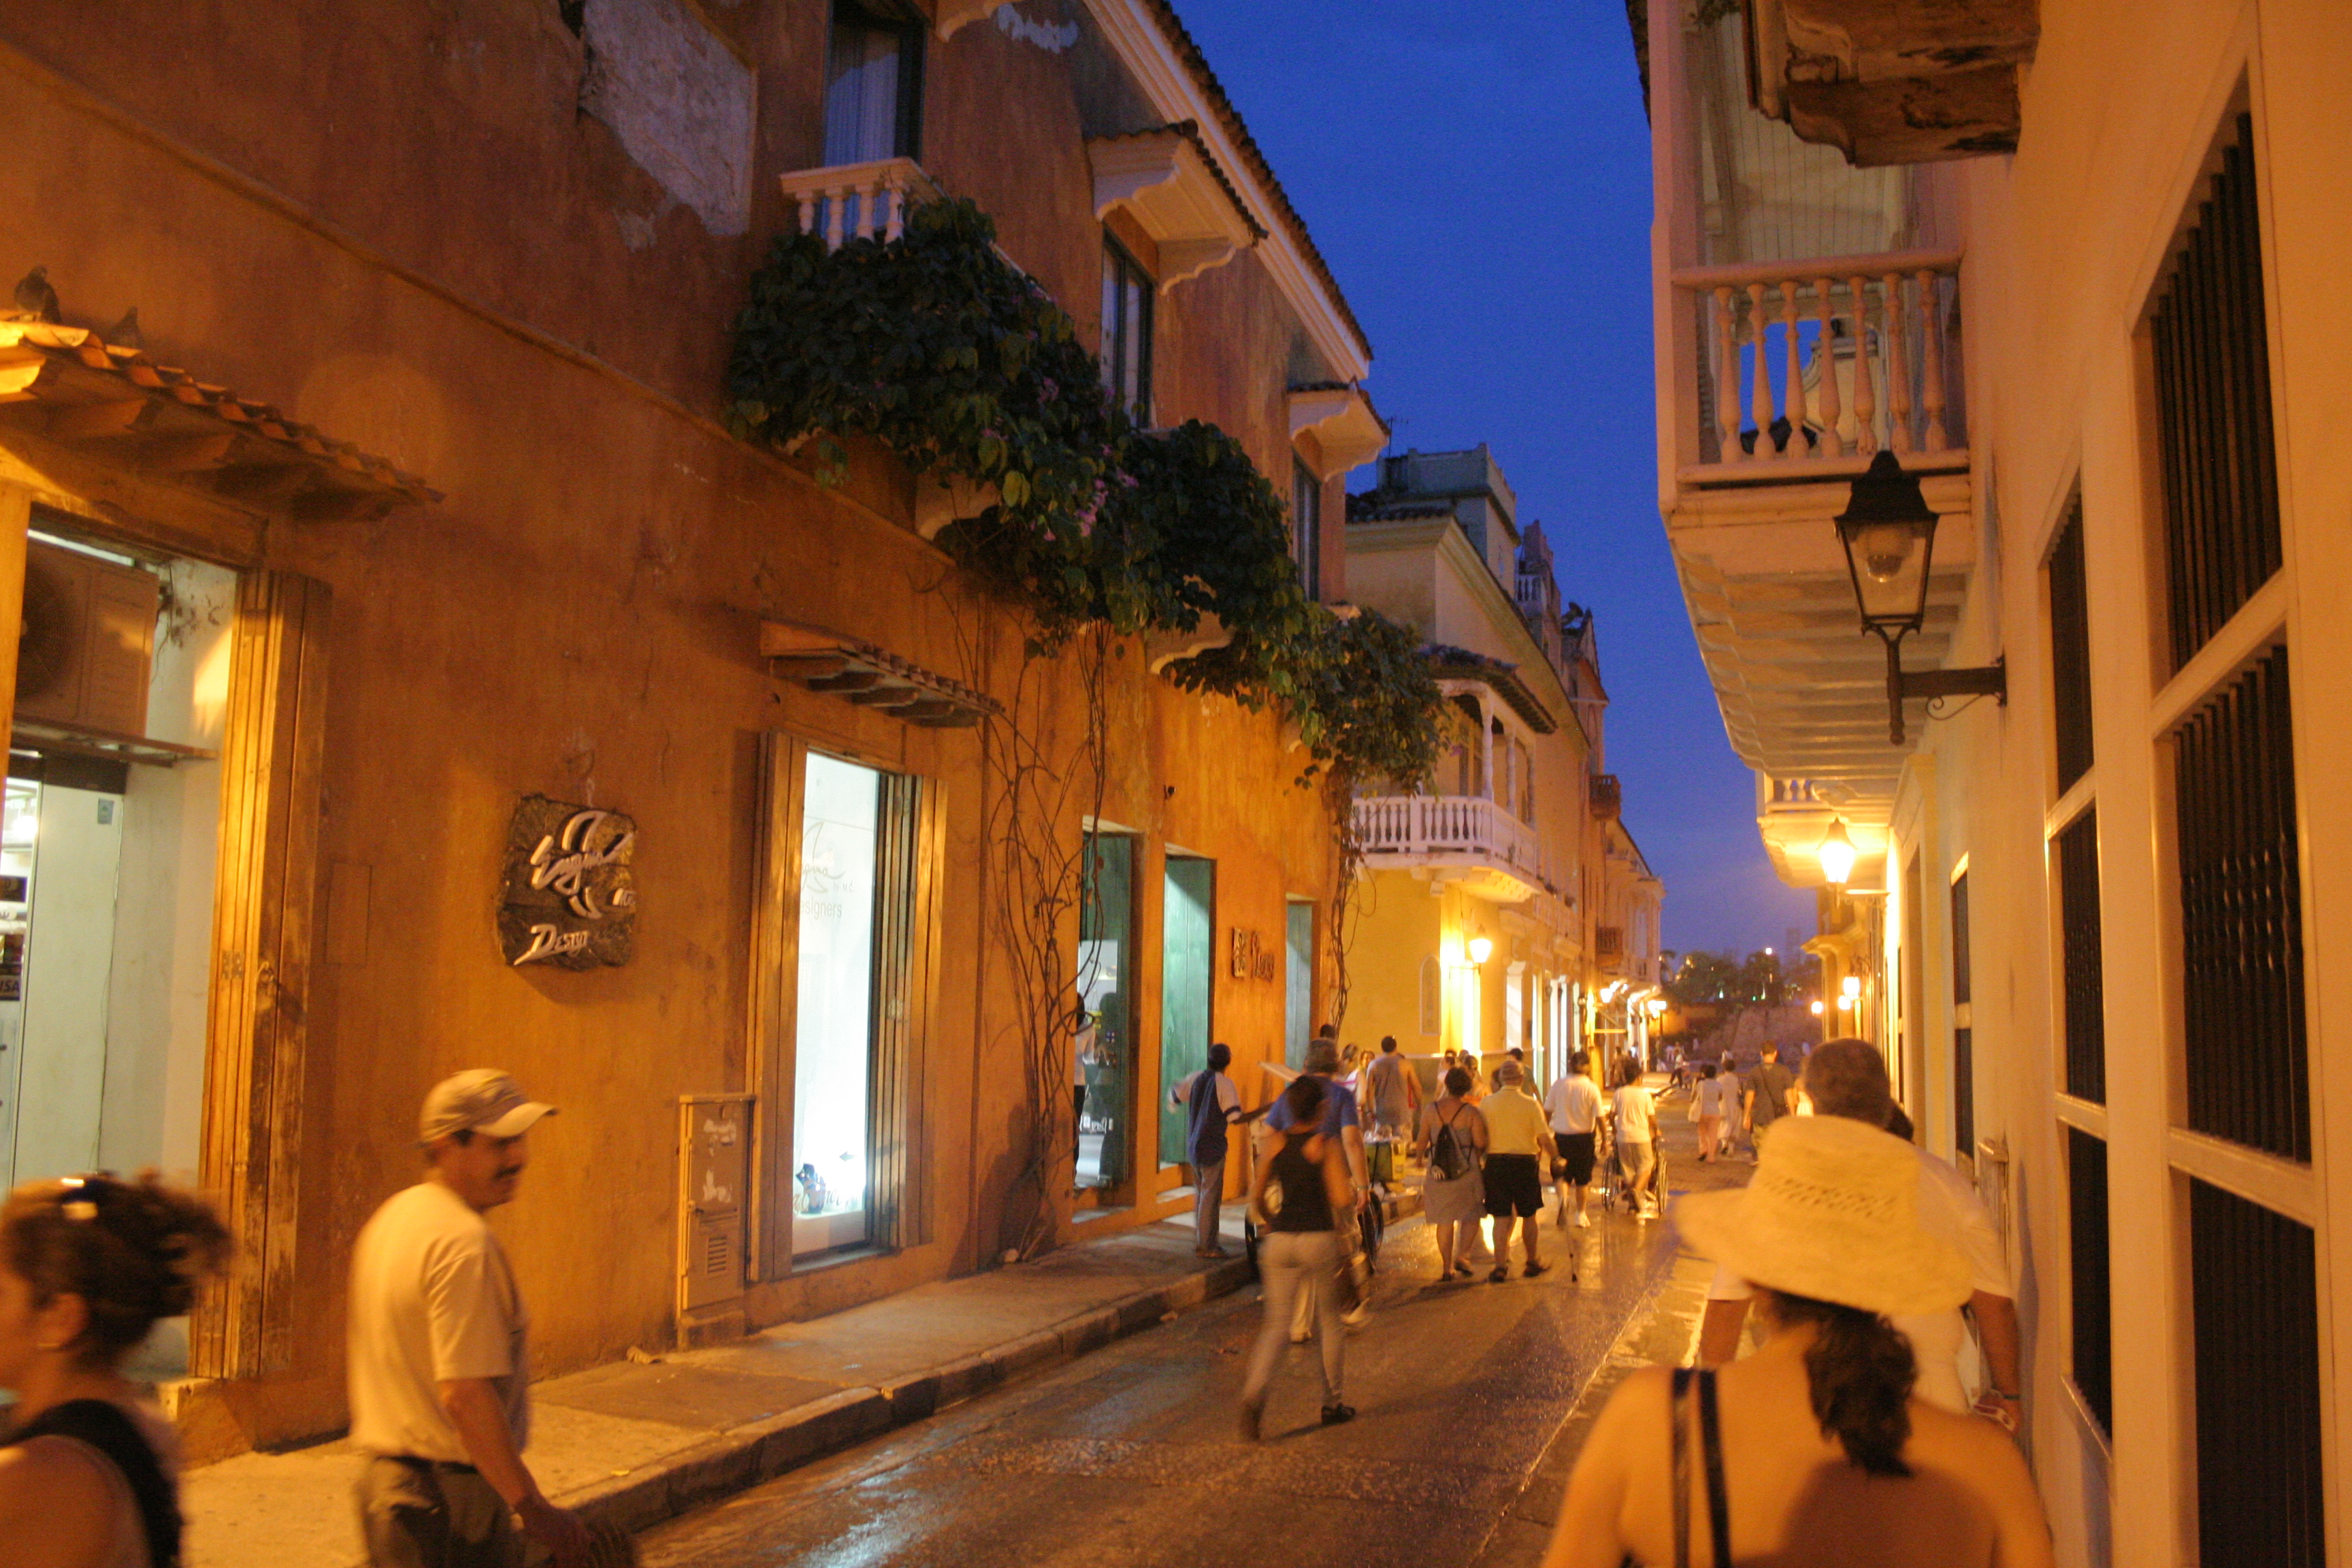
[{"x": 1133, "y": 1456}]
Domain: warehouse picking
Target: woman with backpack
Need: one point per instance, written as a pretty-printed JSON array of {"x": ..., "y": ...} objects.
[
  {"x": 1300, "y": 1197},
  {"x": 86, "y": 1265},
  {"x": 1453, "y": 1138}
]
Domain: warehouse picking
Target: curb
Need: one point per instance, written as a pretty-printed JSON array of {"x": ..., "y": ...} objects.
[{"x": 741, "y": 1458}]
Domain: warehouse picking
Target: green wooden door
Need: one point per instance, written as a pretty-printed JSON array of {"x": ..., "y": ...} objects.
[{"x": 1187, "y": 953}]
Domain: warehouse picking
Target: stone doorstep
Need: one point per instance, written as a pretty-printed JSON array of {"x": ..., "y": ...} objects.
[{"x": 742, "y": 1457}]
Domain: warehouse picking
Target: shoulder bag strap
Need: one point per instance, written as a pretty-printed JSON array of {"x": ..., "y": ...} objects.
[
  {"x": 1678, "y": 1418},
  {"x": 1718, "y": 1501}
]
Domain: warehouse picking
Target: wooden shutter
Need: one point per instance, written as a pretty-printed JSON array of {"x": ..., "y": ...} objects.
[{"x": 262, "y": 926}]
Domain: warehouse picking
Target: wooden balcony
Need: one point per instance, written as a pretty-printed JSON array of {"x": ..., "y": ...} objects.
[{"x": 1464, "y": 838}]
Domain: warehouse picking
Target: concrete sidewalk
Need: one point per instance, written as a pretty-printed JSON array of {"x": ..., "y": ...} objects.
[{"x": 635, "y": 1443}]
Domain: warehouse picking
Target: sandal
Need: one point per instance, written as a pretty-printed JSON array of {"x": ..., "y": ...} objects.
[
  {"x": 1532, "y": 1270},
  {"x": 1499, "y": 1275}
]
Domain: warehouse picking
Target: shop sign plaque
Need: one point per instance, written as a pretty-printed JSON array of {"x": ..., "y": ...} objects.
[{"x": 571, "y": 897}]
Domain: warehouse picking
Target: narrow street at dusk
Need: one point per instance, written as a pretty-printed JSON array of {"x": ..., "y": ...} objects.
[{"x": 1460, "y": 1448}]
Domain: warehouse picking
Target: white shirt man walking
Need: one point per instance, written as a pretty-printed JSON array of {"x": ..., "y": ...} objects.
[
  {"x": 1573, "y": 1105},
  {"x": 439, "y": 1370}
]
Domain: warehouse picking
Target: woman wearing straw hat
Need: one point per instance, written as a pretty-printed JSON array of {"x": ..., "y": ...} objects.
[{"x": 1811, "y": 1451}]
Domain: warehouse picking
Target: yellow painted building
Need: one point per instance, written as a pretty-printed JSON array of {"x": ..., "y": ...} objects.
[{"x": 1501, "y": 906}]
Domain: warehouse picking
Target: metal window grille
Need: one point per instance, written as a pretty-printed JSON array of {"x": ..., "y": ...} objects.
[
  {"x": 2258, "y": 1440},
  {"x": 2213, "y": 401},
  {"x": 2070, "y": 650},
  {"x": 2087, "y": 1233},
  {"x": 1964, "y": 1067},
  {"x": 2241, "y": 916},
  {"x": 2077, "y": 850}
]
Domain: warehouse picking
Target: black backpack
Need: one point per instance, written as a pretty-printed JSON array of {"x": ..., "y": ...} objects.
[
  {"x": 1448, "y": 1156},
  {"x": 112, "y": 1433}
]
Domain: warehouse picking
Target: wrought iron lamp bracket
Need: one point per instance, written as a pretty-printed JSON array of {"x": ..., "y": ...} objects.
[{"x": 1983, "y": 680}]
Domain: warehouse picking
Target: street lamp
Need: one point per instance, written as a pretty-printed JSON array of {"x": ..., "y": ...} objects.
[
  {"x": 1657, "y": 1007},
  {"x": 1817, "y": 1009},
  {"x": 1837, "y": 849},
  {"x": 1481, "y": 950},
  {"x": 1889, "y": 533}
]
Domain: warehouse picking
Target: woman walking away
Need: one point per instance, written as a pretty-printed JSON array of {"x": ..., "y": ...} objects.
[
  {"x": 1711, "y": 1097},
  {"x": 87, "y": 1477},
  {"x": 1452, "y": 1137},
  {"x": 1304, "y": 1195},
  {"x": 1831, "y": 1462}
]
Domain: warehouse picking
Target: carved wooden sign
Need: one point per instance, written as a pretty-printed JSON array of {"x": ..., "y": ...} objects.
[
  {"x": 1253, "y": 959},
  {"x": 570, "y": 898}
]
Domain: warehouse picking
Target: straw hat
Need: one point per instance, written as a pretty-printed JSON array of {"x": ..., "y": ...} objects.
[{"x": 1834, "y": 1213}]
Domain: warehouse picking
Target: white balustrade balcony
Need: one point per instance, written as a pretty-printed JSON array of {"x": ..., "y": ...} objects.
[
  {"x": 1467, "y": 838},
  {"x": 1803, "y": 370},
  {"x": 858, "y": 201}
]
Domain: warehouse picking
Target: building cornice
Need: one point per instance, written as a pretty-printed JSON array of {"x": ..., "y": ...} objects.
[{"x": 1151, "y": 42}]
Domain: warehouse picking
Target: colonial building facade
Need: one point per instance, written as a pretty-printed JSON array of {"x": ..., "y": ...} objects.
[
  {"x": 2073, "y": 269},
  {"x": 419, "y": 674},
  {"x": 1507, "y": 905}
]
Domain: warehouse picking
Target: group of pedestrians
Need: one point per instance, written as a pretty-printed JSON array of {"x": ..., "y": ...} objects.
[
  {"x": 438, "y": 1366},
  {"x": 1844, "y": 1438}
]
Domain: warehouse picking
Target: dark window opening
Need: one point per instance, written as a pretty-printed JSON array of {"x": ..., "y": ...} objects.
[
  {"x": 1964, "y": 1070},
  {"x": 2077, "y": 850},
  {"x": 1126, "y": 304},
  {"x": 2255, "y": 1290},
  {"x": 572, "y": 14},
  {"x": 2241, "y": 916},
  {"x": 1307, "y": 526},
  {"x": 2070, "y": 650},
  {"x": 2086, "y": 1234},
  {"x": 2213, "y": 401},
  {"x": 874, "y": 86}
]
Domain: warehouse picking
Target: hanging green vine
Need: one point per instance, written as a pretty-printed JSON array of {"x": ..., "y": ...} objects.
[{"x": 939, "y": 348}]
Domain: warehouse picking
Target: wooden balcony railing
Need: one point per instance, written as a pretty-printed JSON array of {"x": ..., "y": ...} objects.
[
  {"x": 1411, "y": 826},
  {"x": 858, "y": 201},
  {"x": 1816, "y": 366}
]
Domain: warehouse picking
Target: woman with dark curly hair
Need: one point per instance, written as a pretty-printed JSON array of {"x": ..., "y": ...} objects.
[
  {"x": 1812, "y": 1449},
  {"x": 88, "y": 1265}
]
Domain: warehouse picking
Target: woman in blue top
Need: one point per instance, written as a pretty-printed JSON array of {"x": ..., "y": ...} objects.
[{"x": 1300, "y": 1197}]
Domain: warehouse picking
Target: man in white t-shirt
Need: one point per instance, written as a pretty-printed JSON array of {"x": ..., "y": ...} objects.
[
  {"x": 1848, "y": 1078},
  {"x": 1573, "y": 1104},
  {"x": 439, "y": 1372},
  {"x": 1636, "y": 1111}
]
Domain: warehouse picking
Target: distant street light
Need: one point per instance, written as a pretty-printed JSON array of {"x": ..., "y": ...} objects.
[
  {"x": 1889, "y": 533},
  {"x": 1817, "y": 1009}
]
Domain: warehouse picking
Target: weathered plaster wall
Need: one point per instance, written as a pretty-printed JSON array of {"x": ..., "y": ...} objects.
[{"x": 391, "y": 220}]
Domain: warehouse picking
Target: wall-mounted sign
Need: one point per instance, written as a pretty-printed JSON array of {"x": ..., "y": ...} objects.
[
  {"x": 570, "y": 898},
  {"x": 1253, "y": 959}
]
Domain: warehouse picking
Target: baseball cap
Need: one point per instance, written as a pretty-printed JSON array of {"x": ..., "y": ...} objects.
[{"x": 480, "y": 1100}]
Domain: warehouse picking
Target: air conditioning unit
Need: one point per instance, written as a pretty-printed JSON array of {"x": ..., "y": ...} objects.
[{"x": 87, "y": 641}]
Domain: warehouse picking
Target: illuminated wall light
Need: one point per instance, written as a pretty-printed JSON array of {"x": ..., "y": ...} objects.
[
  {"x": 1481, "y": 950},
  {"x": 1837, "y": 853}
]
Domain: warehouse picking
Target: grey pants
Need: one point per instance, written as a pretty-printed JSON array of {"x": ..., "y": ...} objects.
[
  {"x": 415, "y": 1513},
  {"x": 1290, "y": 1260},
  {"x": 1208, "y": 1203}
]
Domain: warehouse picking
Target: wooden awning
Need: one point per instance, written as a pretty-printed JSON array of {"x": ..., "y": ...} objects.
[
  {"x": 859, "y": 672},
  {"x": 67, "y": 385}
]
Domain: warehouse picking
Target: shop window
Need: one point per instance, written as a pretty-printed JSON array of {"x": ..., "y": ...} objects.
[
  {"x": 873, "y": 85},
  {"x": 2261, "y": 1441},
  {"x": 2248, "y": 1062},
  {"x": 1127, "y": 310},
  {"x": 1103, "y": 1055},
  {"x": 836, "y": 943},
  {"x": 1307, "y": 526},
  {"x": 2087, "y": 1274},
  {"x": 1187, "y": 979},
  {"x": 2211, "y": 360}
]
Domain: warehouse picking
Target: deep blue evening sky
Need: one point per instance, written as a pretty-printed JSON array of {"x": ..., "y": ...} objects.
[{"x": 1479, "y": 180}]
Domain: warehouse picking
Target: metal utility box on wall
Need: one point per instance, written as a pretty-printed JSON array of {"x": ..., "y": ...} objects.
[
  {"x": 714, "y": 1172},
  {"x": 88, "y": 640}
]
